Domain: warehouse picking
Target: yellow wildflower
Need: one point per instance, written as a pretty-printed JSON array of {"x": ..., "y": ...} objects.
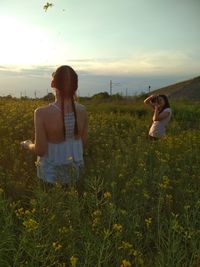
[
  {"x": 70, "y": 158},
  {"x": 117, "y": 227},
  {"x": 123, "y": 212},
  {"x": 19, "y": 212},
  {"x": 33, "y": 210},
  {"x": 65, "y": 230},
  {"x": 73, "y": 261},
  {"x": 165, "y": 182},
  {"x": 37, "y": 163},
  {"x": 125, "y": 263},
  {"x": 148, "y": 222},
  {"x": 111, "y": 205},
  {"x": 56, "y": 246},
  {"x": 96, "y": 213},
  {"x": 169, "y": 199},
  {"x": 30, "y": 224},
  {"x": 126, "y": 245},
  {"x": 27, "y": 212},
  {"x": 95, "y": 223},
  {"x": 107, "y": 195}
]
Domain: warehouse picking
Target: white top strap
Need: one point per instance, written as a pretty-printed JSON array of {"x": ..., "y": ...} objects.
[{"x": 55, "y": 106}]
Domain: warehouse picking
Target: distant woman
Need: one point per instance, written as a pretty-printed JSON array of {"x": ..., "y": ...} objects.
[
  {"x": 60, "y": 131},
  {"x": 161, "y": 116}
]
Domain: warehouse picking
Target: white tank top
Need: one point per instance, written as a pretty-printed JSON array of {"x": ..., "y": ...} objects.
[
  {"x": 158, "y": 128},
  {"x": 55, "y": 164}
]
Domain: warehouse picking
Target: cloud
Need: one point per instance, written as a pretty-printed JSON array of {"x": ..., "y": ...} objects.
[
  {"x": 151, "y": 63},
  {"x": 29, "y": 80},
  {"x": 29, "y": 71}
]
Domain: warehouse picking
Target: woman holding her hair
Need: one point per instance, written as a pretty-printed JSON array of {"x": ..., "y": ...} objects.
[
  {"x": 161, "y": 116},
  {"x": 60, "y": 131}
]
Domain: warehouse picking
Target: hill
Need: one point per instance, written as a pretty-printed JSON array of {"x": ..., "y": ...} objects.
[{"x": 189, "y": 89}]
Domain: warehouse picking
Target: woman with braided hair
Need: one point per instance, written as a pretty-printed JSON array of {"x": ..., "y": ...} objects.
[{"x": 60, "y": 131}]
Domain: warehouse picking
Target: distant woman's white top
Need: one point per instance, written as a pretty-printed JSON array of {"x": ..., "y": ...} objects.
[
  {"x": 158, "y": 128},
  {"x": 63, "y": 161}
]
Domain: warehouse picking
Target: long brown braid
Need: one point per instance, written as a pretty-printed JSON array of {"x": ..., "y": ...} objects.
[
  {"x": 75, "y": 115},
  {"x": 66, "y": 81}
]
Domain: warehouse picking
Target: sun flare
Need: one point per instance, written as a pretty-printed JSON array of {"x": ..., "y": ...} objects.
[{"x": 24, "y": 44}]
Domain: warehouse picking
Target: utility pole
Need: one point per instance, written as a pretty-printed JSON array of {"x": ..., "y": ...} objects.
[
  {"x": 35, "y": 95},
  {"x": 111, "y": 86}
]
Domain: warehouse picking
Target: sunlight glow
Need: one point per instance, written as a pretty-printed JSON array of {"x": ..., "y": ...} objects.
[{"x": 23, "y": 44}]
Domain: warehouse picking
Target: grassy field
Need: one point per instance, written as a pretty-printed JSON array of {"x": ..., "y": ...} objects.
[{"x": 138, "y": 202}]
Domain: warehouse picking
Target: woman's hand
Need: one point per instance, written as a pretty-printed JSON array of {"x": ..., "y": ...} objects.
[
  {"x": 148, "y": 100},
  {"x": 25, "y": 144},
  {"x": 156, "y": 105}
]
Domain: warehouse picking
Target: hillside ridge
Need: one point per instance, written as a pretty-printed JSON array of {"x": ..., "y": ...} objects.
[{"x": 189, "y": 89}]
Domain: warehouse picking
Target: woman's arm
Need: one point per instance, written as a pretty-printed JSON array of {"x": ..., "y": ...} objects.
[
  {"x": 156, "y": 113},
  {"x": 40, "y": 147},
  {"x": 147, "y": 101},
  {"x": 41, "y": 144},
  {"x": 159, "y": 116}
]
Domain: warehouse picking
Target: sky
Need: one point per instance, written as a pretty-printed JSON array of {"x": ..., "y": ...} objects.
[{"x": 133, "y": 43}]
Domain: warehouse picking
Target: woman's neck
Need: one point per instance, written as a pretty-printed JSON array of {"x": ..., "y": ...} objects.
[{"x": 58, "y": 100}]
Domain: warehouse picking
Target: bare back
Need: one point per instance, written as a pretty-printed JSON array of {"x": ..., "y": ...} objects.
[{"x": 49, "y": 124}]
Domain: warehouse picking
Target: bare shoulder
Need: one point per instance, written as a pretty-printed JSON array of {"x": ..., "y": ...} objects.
[
  {"x": 80, "y": 107},
  {"x": 41, "y": 111}
]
